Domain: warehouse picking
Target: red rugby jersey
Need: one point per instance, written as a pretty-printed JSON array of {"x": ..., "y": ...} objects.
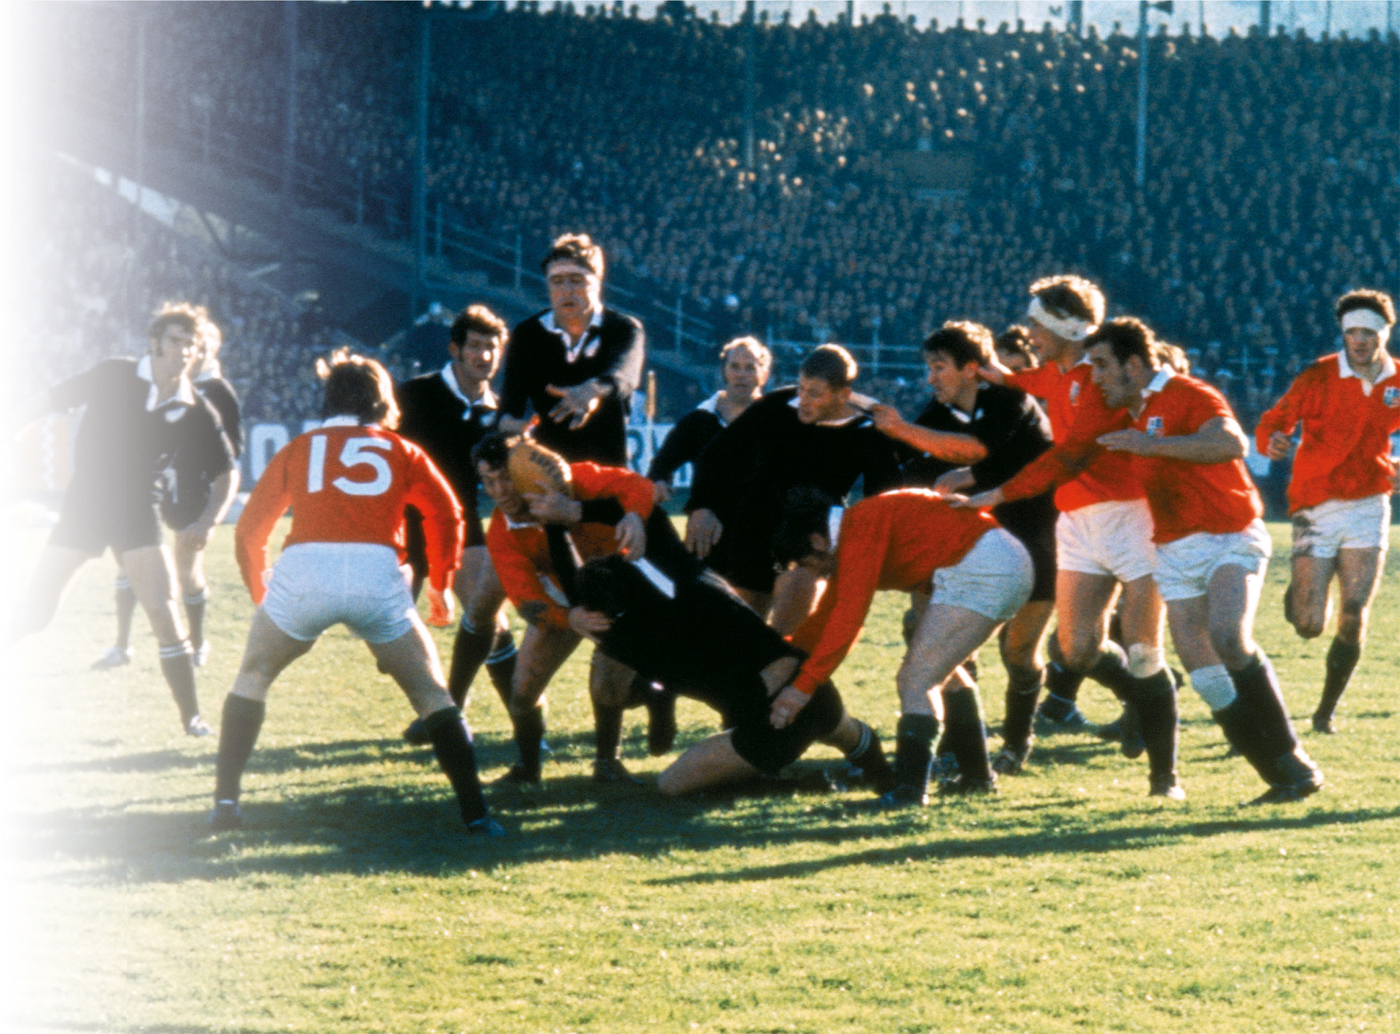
[
  {"x": 520, "y": 551},
  {"x": 1186, "y": 498},
  {"x": 890, "y": 541},
  {"x": 1085, "y": 473},
  {"x": 1345, "y": 451},
  {"x": 350, "y": 483}
]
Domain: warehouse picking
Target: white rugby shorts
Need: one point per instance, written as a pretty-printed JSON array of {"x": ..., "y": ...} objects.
[
  {"x": 1185, "y": 567},
  {"x": 994, "y": 578},
  {"x": 1322, "y": 530},
  {"x": 1113, "y": 538},
  {"x": 319, "y": 584}
]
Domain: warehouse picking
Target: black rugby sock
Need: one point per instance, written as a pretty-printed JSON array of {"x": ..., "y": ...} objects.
[
  {"x": 469, "y": 650},
  {"x": 238, "y": 732},
  {"x": 455, "y": 755},
  {"x": 966, "y": 736},
  {"x": 1341, "y": 662},
  {"x": 1257, "y": 685},
  {"x": 126, "y": 608},
  {"x": 1022, "y": 691},
  {"x": 913, "y": 752},
  {"x": 177, "y": 665},
  {"x": 1110, "y": 670},
  {"x": 500, "y": 664},
  {"x": 1061, "y": 681},
  {"x": 529, "y": 731},
  {"x": 869, "y": 756},
  {"x": 1154, "y": 699},
  {"x": 607, "y": 724}
]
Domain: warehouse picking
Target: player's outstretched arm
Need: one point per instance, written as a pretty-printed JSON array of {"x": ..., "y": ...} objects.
[
  {"x": 1218, "y": 440},
  {"x": 943, "y": 445}
]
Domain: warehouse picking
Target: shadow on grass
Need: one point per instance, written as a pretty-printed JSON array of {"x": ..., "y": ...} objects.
[{"x": 413, "y": 827}]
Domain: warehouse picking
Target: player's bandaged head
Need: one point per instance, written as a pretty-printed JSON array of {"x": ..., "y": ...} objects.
[
  {"x": 1367, "y": 310},
  {"x": 962, "y": 342},
  {"x": 806, "y": 512},
  {"x": 832, "y": 364},
  {"x": 357, "y": 386},
  {"x": 576, "y": 249},
  {"x": 1070, "y": 307}
]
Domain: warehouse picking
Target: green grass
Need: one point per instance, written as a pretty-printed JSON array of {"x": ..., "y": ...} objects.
[{"x": 351, "y": 903}]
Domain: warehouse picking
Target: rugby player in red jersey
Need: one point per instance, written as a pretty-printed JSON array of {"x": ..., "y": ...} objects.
[
  {"x": 1348, "y": 405},
  {"x": 977, "y": 576},
  {"x": 348, "y": 483},
  {"x": 1212, "y": 547}
]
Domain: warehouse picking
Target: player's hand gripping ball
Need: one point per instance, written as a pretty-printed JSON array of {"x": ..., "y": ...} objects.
[{"x": 535, "y": 470}]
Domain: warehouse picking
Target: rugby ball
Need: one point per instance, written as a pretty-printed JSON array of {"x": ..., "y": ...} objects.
[{"x": 535, "y": 469}]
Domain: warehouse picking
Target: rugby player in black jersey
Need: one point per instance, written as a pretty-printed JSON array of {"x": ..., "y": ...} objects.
[
  {"x": 139, "y": 414},
  {"x": 808, "y": 435},
  {"x": 447, "y": 412},
  {"x": 189, "y": 488},
  {"x": 971, "y": 436}
]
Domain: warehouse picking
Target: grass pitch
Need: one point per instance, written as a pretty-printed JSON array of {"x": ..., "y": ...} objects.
[{"x": 350, "y": 902}]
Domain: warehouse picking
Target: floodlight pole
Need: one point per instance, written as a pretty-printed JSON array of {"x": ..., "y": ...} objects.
[{"x": 1140, "y": 175}]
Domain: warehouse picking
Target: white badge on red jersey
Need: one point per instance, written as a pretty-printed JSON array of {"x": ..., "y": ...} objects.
[
  {"x": 1074, "y": 393},
  {"x": 1154, "y": 426},
  {"x": 1391, "y": 397}
]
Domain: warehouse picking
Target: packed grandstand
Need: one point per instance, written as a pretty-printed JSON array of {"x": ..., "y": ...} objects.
[{"x": 901, "y": 175}]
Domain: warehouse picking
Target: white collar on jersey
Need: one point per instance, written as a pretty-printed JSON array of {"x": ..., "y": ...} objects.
[
  {"x": 711, "y": 405},
  {"x": 573, "y": 349},
  {"x": 173, "y": 408},
  {"x": 833, "y": 525},
  {"x": 1344, "y": 370},
  {"x": 449, "y": 377},
  {"x": 837, "y": 423},
  {"x": 1158, "y": 383}
]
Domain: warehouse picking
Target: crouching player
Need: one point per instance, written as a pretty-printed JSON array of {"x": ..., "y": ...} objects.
[
  {"x": 1212, "y": 546},
  {"x": 348, "y": 483},
  {"x": 671, "y": 620},
  {"x": 907, "y": 540}
]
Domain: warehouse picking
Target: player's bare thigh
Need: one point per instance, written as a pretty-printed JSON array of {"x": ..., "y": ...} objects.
[
  {"x": 609, "y": 680},
  {"x": 1217, "y": 628},
  {"x": 478, "y": 589},
  {"x": 265, "y": 656},
  {"x": 412, "y": 661},
  {"x": 151, "y": 572},
  {"x": 945, "y": 637},
  {"x": 711, "y": 762},
  {"x": 1083, "y": 602},
  {"x": 1359, "y": 575},
  {"x": 1023, "y": 638},
  {"x": 1309, "y": 596},
  {"x": 189, "y": 565},
  {"x": 543, "y": 652}
]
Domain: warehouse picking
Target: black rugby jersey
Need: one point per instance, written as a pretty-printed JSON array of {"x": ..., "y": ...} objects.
[{"x": 438, "y": 417}]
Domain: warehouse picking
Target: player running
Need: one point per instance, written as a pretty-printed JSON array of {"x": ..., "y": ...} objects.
[
  {"x": 1343, "y": 476},
  {"x": 348, "y": 483},
  {"x": 191, "y": 487},
  {"x": 978, "y": 576},
  {"x": 140, "y": 414},
  {"x": 1212, "y": 550}
]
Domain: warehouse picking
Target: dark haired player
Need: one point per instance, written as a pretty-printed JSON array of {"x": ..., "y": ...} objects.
[
  {"x": 1212, "y": 549},
  {"x": 1343, "y": 476},
  {"x": 1103, "y": 536},
  {"x": 347, "y": 483},
  {"x": 520, "y": 554},
  {"x": 446, "y": 413},
  {"x": 195, "y": 500},
  {"x": 140, "y": 413},
  {"x": 972, "y": 436},
  {"x": 1014, "y": 349},
  {"x": 977, "y": 576},
  {"x": 808, "y": 435},
  {"x": 577, "y": 363}
]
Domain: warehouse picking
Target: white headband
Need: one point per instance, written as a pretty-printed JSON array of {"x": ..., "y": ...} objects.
[
  {"x": 1071, "y": 328},
  {"x": 1366, "y": 319}
]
